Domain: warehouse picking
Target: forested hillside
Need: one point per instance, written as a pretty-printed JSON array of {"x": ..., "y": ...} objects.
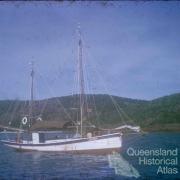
[{"x": 102, "y": 110}]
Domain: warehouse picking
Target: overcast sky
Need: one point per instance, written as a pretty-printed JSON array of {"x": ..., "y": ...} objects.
[{"x": 131, "y": 49}]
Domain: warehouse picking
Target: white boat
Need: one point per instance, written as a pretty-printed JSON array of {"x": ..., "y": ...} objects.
[
  {"x": 83, "y": 143},
  {"x": 104, "y": 143}
]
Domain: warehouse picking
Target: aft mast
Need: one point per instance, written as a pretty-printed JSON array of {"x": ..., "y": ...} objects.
[{"x": 81, "y": 81}]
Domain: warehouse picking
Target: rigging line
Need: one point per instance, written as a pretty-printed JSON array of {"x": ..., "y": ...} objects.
[
  {"x": 111, "y": 98},
  {"x": 105, "y": 87},
  {"x": 74, "y": 85},
  {"x": 97, "y": 115},
  {"x": 68, "y": 114},
  {"x": 89, "y": 90},
  {"x": 98, "y": 74},
  {"x": 117, "y": 107},
  {"x": 86, "y": 87},
  {"x": 87, "y": 79},
  {"x": 57, "y": 100},
  {"x": 76, "y": 80},
  {"x": 74, "y": 95},
  {"x": 76, "y": 77},
  {"x": 122, "y": 111},
  {"x": 43, "y": 106},
  {"x": 25, "y": 103}
]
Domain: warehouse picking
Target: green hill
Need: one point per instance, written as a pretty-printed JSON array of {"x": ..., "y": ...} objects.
[{"x": 103, "y": 111}]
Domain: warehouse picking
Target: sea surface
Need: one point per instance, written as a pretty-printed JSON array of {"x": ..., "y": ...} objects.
[{"x": 51, "y": 165}]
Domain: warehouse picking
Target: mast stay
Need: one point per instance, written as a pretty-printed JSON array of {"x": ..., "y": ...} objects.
[
  {"x": 81, "y": 82},
  {"x": 32, "y": 95}
]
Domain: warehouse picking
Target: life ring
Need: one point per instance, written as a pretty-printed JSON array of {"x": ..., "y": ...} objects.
[
  {"x": 24, "y": 120},
  {"x": 39, "y": 119}
]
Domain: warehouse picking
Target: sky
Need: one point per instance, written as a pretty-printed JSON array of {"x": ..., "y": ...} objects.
[{"x": 130, "y": 49}]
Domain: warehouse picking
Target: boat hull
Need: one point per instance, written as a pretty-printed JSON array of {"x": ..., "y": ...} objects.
[{"x": 97, "y": 144}]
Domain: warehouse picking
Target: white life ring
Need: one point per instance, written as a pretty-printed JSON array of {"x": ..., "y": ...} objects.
[
  {"x": 24, "y": 120},
  {"x": 39, "y": 119}
]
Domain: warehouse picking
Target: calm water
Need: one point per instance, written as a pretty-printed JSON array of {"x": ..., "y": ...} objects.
[{"x": 39, "y": 165}]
